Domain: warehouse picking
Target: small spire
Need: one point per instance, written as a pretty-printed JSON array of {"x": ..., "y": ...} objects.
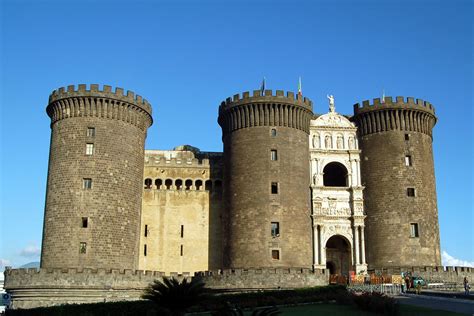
[
  {"x": 383, "y": 95},
  {"x": 300, "y": 91},
  {"x": 262, "y": 87}
]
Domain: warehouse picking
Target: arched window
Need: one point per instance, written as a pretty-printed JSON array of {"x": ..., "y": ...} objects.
[
  {"x": 148, "y": 183},
  {"x": 168, "y": 184},
  {"x": 335, "y": 175},
  {"x": 208, "y": 185},
  {"x": 158, "y": 183},
  {"x": 188, "y": 184},
  {"x": 179, "y": 184},
  {"x": 198, "y": 184}
]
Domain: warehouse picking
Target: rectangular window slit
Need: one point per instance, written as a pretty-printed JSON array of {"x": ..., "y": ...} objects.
[
  {"x": 275, "y": 229},
  {"x": 146, "y": 230},
  {"x": 274, "y": 154},
  {"x": 82, "y": 248},
  {"x": 84, "y": 222},
  {"x": 182, "y": 231},
  {"x": 144, "y": 250},
  {"x": 408, "y": 161},
  {"x": 274, "y": 188},
  {"x": 87, "y": 183},
  {"x": 414, "y": 230},
  {"x": 181, "y": 250},
  {"x": 89, "y": 149},
  {"x": 91, "y": 131}
]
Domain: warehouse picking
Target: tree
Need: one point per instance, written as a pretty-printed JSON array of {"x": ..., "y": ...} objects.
[{"x": 175, "y": 296}]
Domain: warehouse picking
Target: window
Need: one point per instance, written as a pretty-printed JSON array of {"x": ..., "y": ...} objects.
[
  {"x": 82, "y": 247},
  {"x": 208, "y": 185},
  {"x": 87, "y": 183},
  {"x": 198, "y": 184},
  {"x": 179, "y": 184},
  {"x": 146, "y": 230},
  {"x": 84, "y": 222},
  {"x": 181, "y": 250},
  {"x": 274, "y": 188},
  {"x": 144, "y": 250},
  {"x": 275, "y": 229},
  {"x": 407, "y": 136},
  {"x": 408, "y": 161},
  {"x": 411, "y": 191},
  {"x": 89, "y": 149},
  {"x": 335, "y": 175},
  {"x": 414, "y": 230},
  {"x": 182, "y": 231},
  {"x": 274, "y": 154},
  {"x": 188, "y": 184},
  {"x": 90, "y": 131},
  {"x": 275, "y": 254},
  {"x": 274, "y": 132},
  {"x": 148, "y": 183}
]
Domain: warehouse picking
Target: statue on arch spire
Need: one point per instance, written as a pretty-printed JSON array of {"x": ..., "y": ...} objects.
[{"x": 332, "y": 107}]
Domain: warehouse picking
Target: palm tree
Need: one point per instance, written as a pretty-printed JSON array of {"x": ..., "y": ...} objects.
[{"x": 175, "y": 296}]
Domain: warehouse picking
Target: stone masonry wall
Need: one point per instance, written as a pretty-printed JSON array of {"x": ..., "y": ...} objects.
[
  {"x": 267, "y": 278},
  {"x": 183, "y": 220},
  {"x": 47, "y": 287}
]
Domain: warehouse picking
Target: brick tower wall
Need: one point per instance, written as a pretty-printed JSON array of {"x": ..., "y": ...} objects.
[
  {"x": 382, "y": 129},
  {"x": 249, "y": 205},
  {"x": 112, "y": 205}
]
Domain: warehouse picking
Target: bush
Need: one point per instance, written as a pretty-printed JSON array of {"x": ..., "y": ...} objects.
[{"x": 376, "y": 302}]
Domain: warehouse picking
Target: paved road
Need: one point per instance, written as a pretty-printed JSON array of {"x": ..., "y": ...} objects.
[{"x": 442, "y": 303}]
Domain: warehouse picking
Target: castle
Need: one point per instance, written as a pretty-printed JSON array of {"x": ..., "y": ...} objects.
[{"x": 295, "y": 196}]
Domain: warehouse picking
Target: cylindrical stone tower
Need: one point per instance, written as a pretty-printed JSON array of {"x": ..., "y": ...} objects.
[
  {"x": 94, "y": 189},
  {"x": 266, "y": 177},
  {"x": 398, "y": 173}
]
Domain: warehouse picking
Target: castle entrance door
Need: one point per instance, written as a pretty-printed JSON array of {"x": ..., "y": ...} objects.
[{"x": 338, "y": 255}]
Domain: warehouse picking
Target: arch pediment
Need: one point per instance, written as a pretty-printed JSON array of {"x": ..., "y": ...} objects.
[{"x": 332, "y": 119}]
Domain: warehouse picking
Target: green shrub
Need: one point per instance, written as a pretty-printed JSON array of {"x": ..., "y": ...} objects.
[{"x": 376, "y": 302}]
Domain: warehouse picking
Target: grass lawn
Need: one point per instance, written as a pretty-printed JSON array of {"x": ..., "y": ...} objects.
[{"x": 343, "y": 310}]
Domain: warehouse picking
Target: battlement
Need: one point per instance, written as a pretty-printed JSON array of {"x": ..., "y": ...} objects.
[
  {"x": 268, "y": 96},
  {"x": 259, "y": 271},
  {"x": 184, "y": 159},
  {"x": 71, "y": 271},
  {"x": 95, "y": 91},
  {"x": 398, "y": 103}
]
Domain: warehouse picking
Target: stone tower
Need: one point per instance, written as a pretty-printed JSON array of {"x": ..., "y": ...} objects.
[
  {"x": 398, "y": 174},
  {"x": 94, "y": 189},
  {"x": 266, "y": 180}
]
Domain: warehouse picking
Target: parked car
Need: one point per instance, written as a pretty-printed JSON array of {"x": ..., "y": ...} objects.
[{"x": 418, "y": 280}]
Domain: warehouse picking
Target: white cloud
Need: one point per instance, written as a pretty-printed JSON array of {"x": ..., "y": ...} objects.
[
  {"x": 449, "y": 260},
  {"x": 3, "y": 263},
  {"x": 30, "y": 252}
]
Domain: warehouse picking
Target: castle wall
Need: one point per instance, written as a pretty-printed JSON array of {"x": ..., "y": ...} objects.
[
  {"x": 266, "y": 278},
  {"x": 388, "y": 133},
  {"x": 31, "y": 288},
  {"x": 182, "y": 215},
  {"x": 95, "y": 224}
]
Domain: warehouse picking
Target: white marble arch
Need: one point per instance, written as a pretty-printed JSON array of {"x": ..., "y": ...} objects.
[{"x": 337, "y": 210}]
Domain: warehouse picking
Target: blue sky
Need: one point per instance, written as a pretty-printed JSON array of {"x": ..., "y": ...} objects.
[{"x": 185, "y": 57}]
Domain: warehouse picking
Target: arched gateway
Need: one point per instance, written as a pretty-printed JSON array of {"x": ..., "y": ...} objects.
[{"x": 338, "y": 255}]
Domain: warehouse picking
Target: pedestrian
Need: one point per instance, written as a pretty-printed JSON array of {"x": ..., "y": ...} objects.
[
  {"x": 407, "y": 282},
  {"x": 467, "y": 287},
  {"x": 418, "y": 287}
]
